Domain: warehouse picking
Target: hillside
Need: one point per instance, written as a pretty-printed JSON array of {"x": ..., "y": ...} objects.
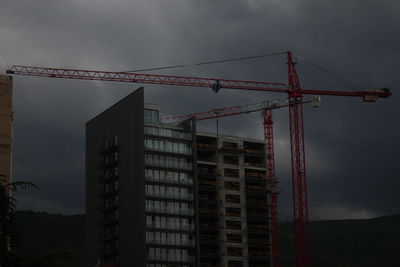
[
  {"x": 56, "y": 240},
  {"x": 49, "y": 240},
  {"x": 348, "y": 243}
]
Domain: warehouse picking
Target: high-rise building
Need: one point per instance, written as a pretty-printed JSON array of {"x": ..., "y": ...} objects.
[
  {"x": 160, "y": 195},
  {"x": 5, "y": 126},
  {"x": 140, "y": 191}
]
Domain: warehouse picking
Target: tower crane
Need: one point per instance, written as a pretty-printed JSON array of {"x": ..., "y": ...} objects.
[
  {"x": 294, "y": 91},
  {"x": 266, "y": 108}
]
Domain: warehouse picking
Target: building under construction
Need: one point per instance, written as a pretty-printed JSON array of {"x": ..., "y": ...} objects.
[
  {"x": 233, "y": 202},
  {"x": 160, "y": 195},
  {"x": 5, "y": 126}
]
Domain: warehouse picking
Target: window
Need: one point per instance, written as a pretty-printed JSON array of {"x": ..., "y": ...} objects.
[
  {"x": 116, "y": 171},
  {"x": 106, "y": 144},
  {"x": 151, "y": 116},
  {"x": 116, "y": 185},
  {"x": 115, "y": 139}
]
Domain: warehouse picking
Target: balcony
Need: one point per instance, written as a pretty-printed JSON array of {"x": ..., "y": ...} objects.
[
  {"x": 108, "y": 221},
  {"x": 108, "y": 208},
  {"x": 170, "y": 180},
  {"x": 170, "y": 133},
  {"x": 107, "y": 193},
  {"x": 171, "y": 258},
  {"x": 254, "y": 165},
  {"x": 231, "y": 147},
  {"x": 104, "y": 180},
  {"x": 170, "y": 195},
  {"x": 108, "y": 237},
  {"x": 204, "y": 146},
  {"x": 256, "y": 176},
  {"x": 169, "y": 242},
  {"x": 109, "y": 149},
  {"x": 189, "y": 212},
  {"x": 169, "y": 164},
  {"x": 172, "y": 227},
  {"x": 207, "y": 172},
  {"x": 208, "y": 211},
  {"x": 187, "y": 151},
  {"x": 254, "y": 153}
]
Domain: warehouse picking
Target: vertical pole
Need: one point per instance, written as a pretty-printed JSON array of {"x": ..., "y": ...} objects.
[
  {"x": 272, "y": 185},
  {"x": 299, "y": 181}
]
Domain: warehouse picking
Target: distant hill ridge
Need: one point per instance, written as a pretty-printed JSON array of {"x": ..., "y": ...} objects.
[{"x": 49, "y": 240}]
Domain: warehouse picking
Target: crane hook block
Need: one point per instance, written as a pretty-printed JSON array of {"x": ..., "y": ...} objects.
[{"x": 216, "y": 86}]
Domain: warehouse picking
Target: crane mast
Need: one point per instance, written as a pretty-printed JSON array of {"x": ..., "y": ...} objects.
[
  {"x": 298, "y": 159},
  {"x": 294, "y": 91}
]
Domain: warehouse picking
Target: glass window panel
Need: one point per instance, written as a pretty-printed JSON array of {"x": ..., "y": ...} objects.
[
  {"x": 161, "y": 145},
  {"x": 156, "y": 174}
]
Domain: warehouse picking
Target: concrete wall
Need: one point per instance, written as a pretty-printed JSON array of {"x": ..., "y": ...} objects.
[
  {"x": 5, "y": 125},
  {"x": 125, "y": 118}
]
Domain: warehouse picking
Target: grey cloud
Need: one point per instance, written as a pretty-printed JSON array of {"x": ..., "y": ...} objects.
[{"x": 351, "y": 146}]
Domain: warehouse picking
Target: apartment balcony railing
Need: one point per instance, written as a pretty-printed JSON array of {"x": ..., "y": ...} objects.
[
  {"x": 109, "y": 207},
  {"x": 188, "y": 196},
  {"x": 170, "y": 150},
  {"x": 189, "y": 227},
  {"x": 110, "y": 192},
  {"x": 108, "y": 221},
  {"x": 106, "y": 150},
  {"x": 206, "y": 146},
  {"x": 170, "y": 242},
  {"x": 254, "y": 165},
  {"x": 170, "y": 180},
  {"x": 170, "y": 211},
  {"x": 103, "y": 180},
  {"x": 169, "y": 164},
  {"x": 168, "y": 133},
  {"x": 171, "y": 257},
  {"x": 256, "y": 152}
]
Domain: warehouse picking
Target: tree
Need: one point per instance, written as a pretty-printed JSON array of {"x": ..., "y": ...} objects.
[{"x": 7, "y": 217}]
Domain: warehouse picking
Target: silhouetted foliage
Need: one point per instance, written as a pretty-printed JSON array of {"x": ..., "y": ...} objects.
[{"x": 7, "y": 218}]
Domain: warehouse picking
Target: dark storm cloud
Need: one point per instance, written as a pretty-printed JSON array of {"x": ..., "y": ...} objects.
[{"x": 351, "y": 146}]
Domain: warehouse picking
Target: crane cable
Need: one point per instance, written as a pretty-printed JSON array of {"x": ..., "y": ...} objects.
[
  {"x": 325, "y": 71},
  {"x": 209, "y": 62}
]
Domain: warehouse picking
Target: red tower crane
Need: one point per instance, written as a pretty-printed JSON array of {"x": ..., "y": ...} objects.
[
  {"x": 293, "y": 89},
  {"x": 266, "y": 108}
]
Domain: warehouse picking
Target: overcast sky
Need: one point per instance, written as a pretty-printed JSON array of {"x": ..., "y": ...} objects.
[{"x": 351, "y": 147}]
